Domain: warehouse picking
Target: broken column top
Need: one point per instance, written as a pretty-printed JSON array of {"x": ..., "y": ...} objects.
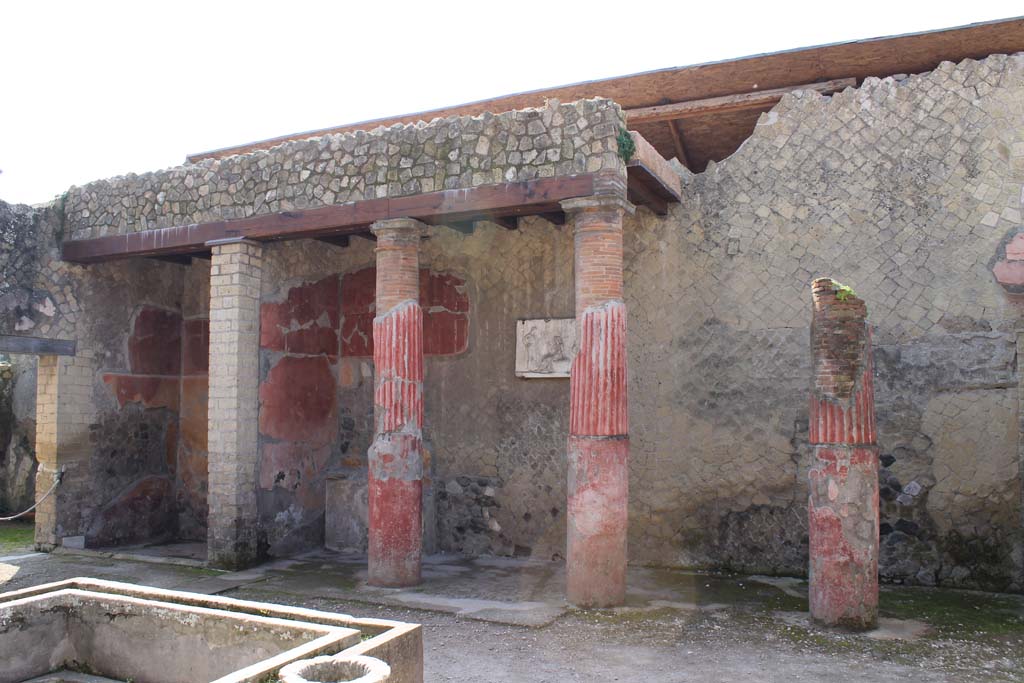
[{"x": 839, "y": 337}]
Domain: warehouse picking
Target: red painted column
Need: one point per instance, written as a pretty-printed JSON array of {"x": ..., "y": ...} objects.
[
  {"x": 843, "y": 507},
  {"x": 396, "y": 456},
  {"x": 598, "y": 449}
]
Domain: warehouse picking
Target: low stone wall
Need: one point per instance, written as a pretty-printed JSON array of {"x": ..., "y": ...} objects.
[{"x": 445, "y": 154}]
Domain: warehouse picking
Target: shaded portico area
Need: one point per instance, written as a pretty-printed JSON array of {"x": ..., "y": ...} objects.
[{"x": 624, "y": 172}]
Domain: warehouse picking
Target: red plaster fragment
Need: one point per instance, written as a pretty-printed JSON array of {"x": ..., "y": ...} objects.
[
  {"x": 196, "y": 347},
  {"x": 1015, "y": 248},
  {"x": 1009, "y": 272},
  {"x": 195, "y": 393},
  {"x": 598, "y": 488},
  {"x": 152, "y": 392},
  {"x": 306, "y": 322},
  {"x": 297, "y": 400},
  {"x": 154, "y": 348},
  {"x": 395, "y": 550},
  {"x": 443, "y": 297}
]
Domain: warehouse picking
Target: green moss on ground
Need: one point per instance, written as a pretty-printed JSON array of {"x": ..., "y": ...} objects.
[{"x": 16, "y": 536}]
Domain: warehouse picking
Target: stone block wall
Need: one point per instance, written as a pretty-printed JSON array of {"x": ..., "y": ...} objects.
[{"x": 445, "y": 154}]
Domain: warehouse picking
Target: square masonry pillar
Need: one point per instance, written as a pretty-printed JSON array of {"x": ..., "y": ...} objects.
[{"x": 233, "y": 538}]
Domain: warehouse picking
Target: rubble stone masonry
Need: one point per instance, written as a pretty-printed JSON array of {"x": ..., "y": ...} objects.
[{"x": 445, "y": 154}]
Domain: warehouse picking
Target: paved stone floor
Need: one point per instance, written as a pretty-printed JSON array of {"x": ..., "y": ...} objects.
[{"x": 494, "y": 619}]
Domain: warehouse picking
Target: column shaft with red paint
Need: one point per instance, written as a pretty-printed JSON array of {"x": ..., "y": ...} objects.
[
  {"x": 598, "y": 449},
  {"x": 396, "y": 456},
  {"x": 843, "y": 507}
]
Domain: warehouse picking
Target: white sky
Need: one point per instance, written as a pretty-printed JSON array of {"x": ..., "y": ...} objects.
[{"x": 93, "y": 89}]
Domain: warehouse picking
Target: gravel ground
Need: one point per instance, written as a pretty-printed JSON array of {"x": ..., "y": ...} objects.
[
  {"x": 719, "y": 629},
  {"x": 722, "y": 646}
]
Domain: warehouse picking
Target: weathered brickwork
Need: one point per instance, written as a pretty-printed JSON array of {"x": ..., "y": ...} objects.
[
  {"x": 843, "y": 507},
  {"x": 560, "y": 139}
]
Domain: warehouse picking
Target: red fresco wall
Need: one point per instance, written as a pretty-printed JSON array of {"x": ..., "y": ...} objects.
[{"x": 302, "y": 338}]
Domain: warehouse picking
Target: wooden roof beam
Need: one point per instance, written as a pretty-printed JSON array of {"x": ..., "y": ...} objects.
[
  {"x": 504, "y": 200},
  {"x": 336, "y": 240},
  {"x": 717, "y": 105}
]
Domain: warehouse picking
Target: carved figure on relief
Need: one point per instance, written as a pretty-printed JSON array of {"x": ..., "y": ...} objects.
[{"x": 545, "y": 347}]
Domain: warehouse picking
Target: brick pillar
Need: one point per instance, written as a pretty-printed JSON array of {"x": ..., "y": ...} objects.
[
  {"x": 396, "y": 456},
  {"x": 233, "y": 541},
  {"x": 843, "y": 508},
  {"x": 64, "y": 413},
  {"x": 598, "y": 449}
]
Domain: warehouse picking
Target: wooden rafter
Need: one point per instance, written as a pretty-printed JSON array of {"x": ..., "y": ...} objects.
[
  {"x": 717, "y": 105},
  {"x": 677, "y": 140}
]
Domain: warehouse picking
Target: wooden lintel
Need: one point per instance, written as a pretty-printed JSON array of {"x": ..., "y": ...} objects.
[
  {"x": 716, "y": 105},
  {"x": 506, "y": 199},
  {"x": 554, "y": 217},
  {"x": 36, "y": 346},
  {"x": 465, "y": 227},
  {"x": 336, "y": 240},
  {"x": 179, "y": 259},
  {"x": 642, "y": 195},
  {"x": 507, "y": 222}
]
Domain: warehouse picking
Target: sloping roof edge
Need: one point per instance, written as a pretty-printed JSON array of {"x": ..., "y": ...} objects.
[{"x": 880, "y": 56}]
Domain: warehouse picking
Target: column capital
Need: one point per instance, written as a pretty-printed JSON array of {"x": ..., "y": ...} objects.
[
  {"x": 597, "y": 202},
  {"x": 399, "y": 229},
  {"x": 233, "y": 240}
]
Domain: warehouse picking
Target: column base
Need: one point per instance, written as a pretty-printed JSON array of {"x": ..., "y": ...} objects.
[
  {"x": 843, "y": 530},
  {"x": 597, "y": 520},
  {"x": 238, "y": 551},
  {"x": 395, "y": 535}
]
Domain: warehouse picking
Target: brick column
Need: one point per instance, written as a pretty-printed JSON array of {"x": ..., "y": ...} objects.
[
  {"x": 64, "y": 413},
  {"x": 396, "y": 456},
  {"x": 598, "y": 449},
  {"x": 233, "y": 539},
  {"x": 843, "y": 507}
]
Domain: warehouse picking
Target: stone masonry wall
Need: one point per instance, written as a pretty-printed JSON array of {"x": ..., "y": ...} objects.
[
  {"x": 445, "y": 154},
  {"x": 905, "y": 190},
  {"x": 116, "y": 423},
  {"x": 17, "y": 433}
]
